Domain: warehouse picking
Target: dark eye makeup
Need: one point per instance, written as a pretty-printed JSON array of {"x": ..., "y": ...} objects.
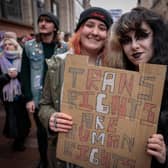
[
  {"x": 139, "y": 35},
  {"x": 125, "y": 40}
]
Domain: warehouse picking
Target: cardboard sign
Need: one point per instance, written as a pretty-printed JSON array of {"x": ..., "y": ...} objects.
[{"x": 114, "y": 112}]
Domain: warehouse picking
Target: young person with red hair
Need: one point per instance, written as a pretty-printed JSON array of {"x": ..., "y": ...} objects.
[{"x": 89, "y": 39}]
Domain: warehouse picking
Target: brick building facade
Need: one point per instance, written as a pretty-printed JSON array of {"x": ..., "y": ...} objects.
[{"x": 20, "y": 16}]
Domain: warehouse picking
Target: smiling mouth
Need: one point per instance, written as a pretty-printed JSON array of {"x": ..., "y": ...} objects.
[{"x": 94, "y": 38}]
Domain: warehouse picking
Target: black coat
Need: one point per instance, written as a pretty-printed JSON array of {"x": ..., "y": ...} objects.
[
  {"x": 17, "y": 122},
  {"x": 163, "y": 124}
]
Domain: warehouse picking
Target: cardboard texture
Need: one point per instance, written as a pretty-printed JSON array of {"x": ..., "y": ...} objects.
[{"x": 114, "y": 112}]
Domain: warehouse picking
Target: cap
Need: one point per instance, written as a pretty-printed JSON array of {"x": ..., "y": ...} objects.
[
  {"x": 95, "y": 13},
  {"x": 53, "y": 18}
]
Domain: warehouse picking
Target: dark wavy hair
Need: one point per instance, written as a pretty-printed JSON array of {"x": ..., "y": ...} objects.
[{"x": 133, "y": 21}]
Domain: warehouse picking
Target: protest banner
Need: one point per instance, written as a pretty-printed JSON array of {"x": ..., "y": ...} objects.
[{"x": 114, "y": 112}]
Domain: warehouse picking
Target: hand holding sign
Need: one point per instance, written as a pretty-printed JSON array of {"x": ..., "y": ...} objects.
[
  {"x": 114, "y": 112},
  {"x": 156, "y": 147},
  {"x": 60, "y": 122}
]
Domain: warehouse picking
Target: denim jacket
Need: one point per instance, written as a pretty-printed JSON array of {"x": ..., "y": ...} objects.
[{"x": 35, "y": 54}]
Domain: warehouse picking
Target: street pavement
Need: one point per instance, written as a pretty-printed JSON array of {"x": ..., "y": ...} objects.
[{"x": 26, "y": 159}]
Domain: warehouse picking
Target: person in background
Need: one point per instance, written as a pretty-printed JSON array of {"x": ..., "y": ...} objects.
[
  {"x": 23, "y": 39},
  {"x": 67, "y": 36},
  {"x": 33, "y": 71},
  {"x": 17, "y": 123},
  {"x": 61, "y": 36},
  {"x": 1, "y": 38},
  {"x": 1, "y": 35},
  {"x": 7, "y": 34},
  {"x": 89, "y": 39},
  {"x": 141, "y": 36}
]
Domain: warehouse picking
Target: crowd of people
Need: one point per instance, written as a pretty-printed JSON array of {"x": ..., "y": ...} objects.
[{"x": 32, "y": 73}]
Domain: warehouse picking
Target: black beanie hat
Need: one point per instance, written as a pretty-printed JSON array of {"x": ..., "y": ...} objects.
[
  {"x": 53, "y": 18},
  {"x": 95, "y": 13}
]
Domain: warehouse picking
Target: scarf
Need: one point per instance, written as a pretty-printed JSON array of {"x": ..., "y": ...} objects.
[{"x": 13, "y": 88}]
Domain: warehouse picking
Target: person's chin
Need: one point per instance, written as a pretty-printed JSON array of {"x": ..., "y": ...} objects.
[
  {"x": 140, "y": 62},
  {"x": 45, "y": 32},
  {"x": 136, "y": 62},
  {"x": 94, "y": 46}
]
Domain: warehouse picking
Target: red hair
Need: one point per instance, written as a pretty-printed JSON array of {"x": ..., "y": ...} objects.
[{"x": 74, "y": 42}]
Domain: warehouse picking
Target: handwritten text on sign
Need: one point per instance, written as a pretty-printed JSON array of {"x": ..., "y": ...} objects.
[{"x": 114, "y": 112}]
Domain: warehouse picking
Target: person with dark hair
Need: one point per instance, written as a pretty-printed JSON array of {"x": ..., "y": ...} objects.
[
  {"x": 67, "y": 36},
  {"x": 141, "y": 36},
  {"x": 33, "y": 71},
  {"x": 89, "y": 39}
]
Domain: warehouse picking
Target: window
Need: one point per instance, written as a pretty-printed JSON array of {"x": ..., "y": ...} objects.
[
  {"x": 81, "y": 1},
  {"x": 40, "y": 6},
  {"x": 155, "y": 2},
  {"x": 11, "y": 10},
  {"x": 54, "y": 7}
]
